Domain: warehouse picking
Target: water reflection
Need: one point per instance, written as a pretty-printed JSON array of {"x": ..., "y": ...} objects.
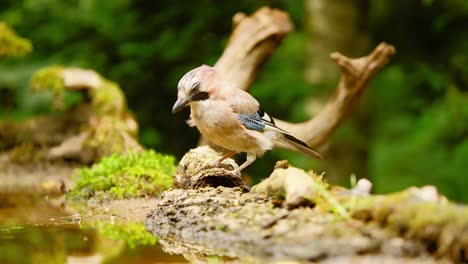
[{"x": 42, "y": 230}]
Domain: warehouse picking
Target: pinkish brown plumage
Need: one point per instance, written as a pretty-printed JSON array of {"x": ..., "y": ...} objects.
[{"x": 230, "y": 117}]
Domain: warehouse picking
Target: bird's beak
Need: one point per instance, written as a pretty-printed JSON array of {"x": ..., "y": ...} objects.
[{"x": 179, "y": 104}]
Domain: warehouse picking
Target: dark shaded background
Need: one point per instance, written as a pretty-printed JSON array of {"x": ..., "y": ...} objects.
[{"x": 411, "y": 127}]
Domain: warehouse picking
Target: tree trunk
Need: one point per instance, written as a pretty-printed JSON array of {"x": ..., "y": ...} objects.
[{"x": 334, "y": 25}]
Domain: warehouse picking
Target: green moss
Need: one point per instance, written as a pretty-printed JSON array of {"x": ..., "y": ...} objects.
[
  {"x": 133, "y": 234},
  {"x": 108, "y": 99},
  {"x": 127, "y": 175},
  {"x": 49, "y": 78},
  {"x": 11, "y": 44},
  {"x": 326, "y": 199}
]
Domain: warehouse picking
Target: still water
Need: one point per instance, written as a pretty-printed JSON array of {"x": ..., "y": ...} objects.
[{"x": 43, "y": 230}]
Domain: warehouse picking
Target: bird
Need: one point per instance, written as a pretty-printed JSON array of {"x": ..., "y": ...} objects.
[{"x": 231, "y": 117}]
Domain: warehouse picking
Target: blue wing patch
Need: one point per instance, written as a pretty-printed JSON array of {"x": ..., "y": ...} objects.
[{"x": 253, "y": 122}]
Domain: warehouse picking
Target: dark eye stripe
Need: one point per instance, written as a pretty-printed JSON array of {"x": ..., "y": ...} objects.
[{"x": 200, "y": 96}]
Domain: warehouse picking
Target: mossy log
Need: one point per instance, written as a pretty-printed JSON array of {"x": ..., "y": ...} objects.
[
  {"x": 228, "y": 222},
  {"x": 420, "y": 214},
  {"x": 100, "y": 125},
  {"x": 272, "y": 222}
]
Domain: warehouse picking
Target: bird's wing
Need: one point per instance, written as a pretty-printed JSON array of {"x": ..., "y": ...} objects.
[
  {"x": 250, "y": 115},
  {"x": 240, "y": 101},
  {"x": 258, "y": 121},
  {"x": 261, "y": 121}
]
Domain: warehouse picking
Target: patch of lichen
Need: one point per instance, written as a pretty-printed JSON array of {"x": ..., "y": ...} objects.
[
  {"x": 12, "y": 44},
  {"x": 139, "y": 174},
  {"x": 108, "y": 99}
]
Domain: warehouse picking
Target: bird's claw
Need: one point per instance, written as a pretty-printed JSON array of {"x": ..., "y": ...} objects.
[
  {"x": 217, "y": 164},
  {"x": 237, "y": 172}
]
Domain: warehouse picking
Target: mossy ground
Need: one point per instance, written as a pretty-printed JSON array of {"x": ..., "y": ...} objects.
[{"x": 118, "y": 176}]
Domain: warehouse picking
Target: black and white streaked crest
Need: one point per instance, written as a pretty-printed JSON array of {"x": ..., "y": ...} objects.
[{"x": 189, "y": 79}]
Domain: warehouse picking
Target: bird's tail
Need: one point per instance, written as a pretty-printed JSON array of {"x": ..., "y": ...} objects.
[{"x": 299, "y": 145}]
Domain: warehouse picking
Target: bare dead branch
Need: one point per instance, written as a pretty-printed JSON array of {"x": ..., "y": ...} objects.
[
  {"x": 356, "y": 74},
  {"x": 253, "y": 40},
  {"x": 76, "y": 78}
]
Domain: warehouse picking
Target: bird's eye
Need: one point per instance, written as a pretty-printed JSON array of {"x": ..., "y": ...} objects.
[{"x": 195, "y": 88}]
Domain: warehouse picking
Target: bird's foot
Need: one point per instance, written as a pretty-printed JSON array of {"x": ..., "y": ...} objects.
[
  {"x": 237, "y": 172},
  {"x": 218, "y": 164}
]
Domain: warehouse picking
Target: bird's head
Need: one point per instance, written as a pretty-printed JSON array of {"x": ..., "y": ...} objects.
[{"x": 196, "y": 85}]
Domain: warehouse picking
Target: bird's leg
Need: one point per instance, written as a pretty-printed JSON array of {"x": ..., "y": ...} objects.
[
  {"x": 217, "y": 163},
  {"x": 250, "y": 159}
]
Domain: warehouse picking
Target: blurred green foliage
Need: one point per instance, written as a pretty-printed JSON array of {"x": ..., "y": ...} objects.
[
  {"x": 411, "y": 127},
  {"x": 418, "y": 106},
  {"x": 11, "y": 44}
]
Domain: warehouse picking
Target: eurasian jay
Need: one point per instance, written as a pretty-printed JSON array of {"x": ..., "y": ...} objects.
[{"x": 230, "y": 117}]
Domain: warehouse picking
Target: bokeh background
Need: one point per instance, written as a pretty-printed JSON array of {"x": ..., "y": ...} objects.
[{"x": 410, "y": 128}]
